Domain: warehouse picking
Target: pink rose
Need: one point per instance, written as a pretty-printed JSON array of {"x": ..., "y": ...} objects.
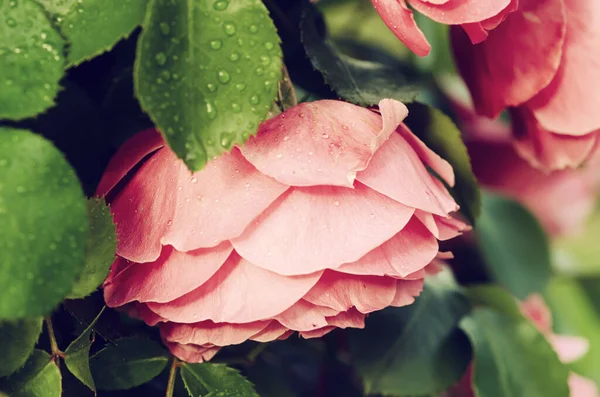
[
  {"x": 541, "y": 62},
  {"x": 326, "y": 215},
  {"x": 476, "y": 16}
]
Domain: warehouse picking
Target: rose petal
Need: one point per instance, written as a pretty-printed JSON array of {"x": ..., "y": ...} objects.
[
  {"x": 174, "y": 274},
  {"x": 321, "y": 143},
  {"x": 406, "y": 291},
  {"x": 238, "y": 293},
  {"x": 317, "y": 333},
  {"x": 307, "y": 229},
  {"x": 535, "y": 309},
  {"x": 582, "y": 387},
  {"x": 208, "y": 332},
  {"x": 192, "y": 353},
  {"x": 274, "y": 331},
  {"x": 569, "y": 348},
  {"x": 304, "y": 316}
]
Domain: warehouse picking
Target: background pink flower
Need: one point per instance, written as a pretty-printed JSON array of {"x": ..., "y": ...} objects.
[
  {"x": 541, "y": 61},
  {"x": 326, "y": 215}
]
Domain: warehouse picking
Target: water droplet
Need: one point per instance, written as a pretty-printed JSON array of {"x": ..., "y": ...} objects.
[
  {"x": 286, "y": 138},
  {"x": 11, "y": 22},
  {"x": 259, "y": 71},
  {"x": 221, "y": 5},
  {"x": 211, "y": 87},
  {"x": 211, "y": 112},
  {"x": 278, "y": 156},
  {"x": 254, "y": 100},
  {"x": 372, "y": 216},
  {"x": 226, "y": 142},
  {"x": 20, "y": 189},
  {"x": 336, "y": 203},
  {"x": 161, "y": 58},
  {"x": 269, "y": 45},
  {"x": 324, "y": 136},
  {"x": 236, "y": 107},
  {"x": 344, "y": 126},
  {"x": 164, "y": 28},
  {"x": 265, "y": 60},
  {"x": 234, "y": 57},
  {"x": 229, "y": 28},
  {"x": 169, "y": 222},
  {"x": 268, "y": 85},
  {"x": 253, "y": 28},
  {"x": 223, "y": 76},
  {"x": 216, "y": 44},
  {"x": 194, "y": 180},
  {"x": 240, "y": 87}
]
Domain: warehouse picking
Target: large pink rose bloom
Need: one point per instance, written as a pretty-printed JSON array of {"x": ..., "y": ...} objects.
[
  {"x": 542, "y": 62},
  {"x": 475, "y": 16},
  {"x": 326, "y": 215}
]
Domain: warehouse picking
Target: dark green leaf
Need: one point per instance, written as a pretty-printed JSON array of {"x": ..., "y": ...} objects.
[
  {"x": 355, "y": 80},
  {"x": 439, "y": 133},
  {"x": 128, "y": 363},
  {"x": 31, "y": 60},
  {"x": 17, "y": 339},
  {"x": 414, "y": 350},
  {"x": 95, "y": 26},
  {"x": 494, "y": 297},
  {"x": 514, "y": 246},
  {"x": 40, "y": 377},
  {"x": 77, "y": 357},
  {"x": 43, "y": 225},
  {"x": 100, "y": 252},
  {"x": 512, "y": 358},
  {"x": 207, "y": 72},
  {"x": 215, "y": 380}
]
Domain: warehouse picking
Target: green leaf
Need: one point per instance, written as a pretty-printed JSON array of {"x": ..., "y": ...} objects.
[
  {"x": 359, "y": 81},
  {"x": 31, "y": 60},
  {"x": 128, "y": 363},
  {"x": 17, "y": 339},
  {"x": 440, "y": 133},
  {"x": 512, "y": 358},
  {"x": 100, "y": 251},
  {"x": 417, "y": 349},
  {"x": 77, "y": 357},
  {"x": 207, "y": 72},
  {"x": 215, "y": 380},
  {"x": 94, "y": 26},
  {"x": 514, "y": 245},
  {"x": 40, "y": 377},
  {"x": 43, "y": 225},
  {"x": 494, "y": 297}
]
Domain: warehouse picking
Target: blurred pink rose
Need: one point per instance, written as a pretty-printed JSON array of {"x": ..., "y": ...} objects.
[
  {"x": 541, "y": 61},
  {"x": 476, "y": 17},
  {"x": 326, "y": 215},
  {"x": 568, "y": 349}
]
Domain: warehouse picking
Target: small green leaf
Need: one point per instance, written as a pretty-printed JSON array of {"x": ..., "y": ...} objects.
[
  {"x": 215, "y": 380},
  {"x": 514, "y": 245},
  {"x": 17, "y": 339},
  {"x": 100, "y": 252},
  {"x": 43, "y": 225},
  {"x": 441, "y": 134},
  {"x": 77, "y": 357},
  {"x": 414, "y": 350},
  {"x": 207, "y": 72},
  {"x": 512, "y": 358},
  {"x": 355, "y": 80},
  {"x": 94, "y": 26},
  {"x": 128, "y": 363},
  {"x": 40, "y": 377},
  {"x": 31, "y": 60}
]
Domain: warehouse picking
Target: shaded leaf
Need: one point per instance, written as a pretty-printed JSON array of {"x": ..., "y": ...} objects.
[
  {"x": 440, "y": 133},
  {"x": 43, "y": 225},
  {"x": 355, "y": 80},
  {"x": 31, "y": 60},
  {"x": 128, "y": 363},
  {"x": 514, "y": 245},
  {"x": 40, "y": 377},
  {"x": 17, "y": 341},
  {"x": 94, "y": 26},
  {"x": 207, "y": 73},
  {"x": 215, "y": 380},
  {"x": 414, "y": 350},
  {"x": 512, "y": 358},
  {"x": 77, "y": 357},
  {"x": 100, "y": 251}
]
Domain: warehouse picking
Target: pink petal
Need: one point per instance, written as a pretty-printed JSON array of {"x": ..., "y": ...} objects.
[
  {"x": 406, "y": 291},
  {"x": 304, "y": 316},
  {"x": 401, "y": 21},
  {"x": 128, "y": 155},
  {"x": 569, "y": 104},
  {"x": 348, "y": 319},
  {"x": 237, "y": 294},
  {"x": 546, "y": 150},
  {"x": 274, "y": 331},
  {"x": 443, "y": 228},
  {"x": 582, "y": 387},
  {"x": 519, "y": 58},
  {"x": 536, "y": 310},
  {"x": 341, "y": 291},
  {"x": 397, "y": 172},
  {"x": 321, "y": 227},
  {"x": 569, "y": 348},
  {"x": 209, "y": 333},
  {"x": 478, "y": 31},
  {"x": 168, "y": 205},
  {"x": 409, "y": 251},
  {"x": 457, "y": 12},
  {"x": 174, "y": 274},
  {"x": 141, "y": 311},
  {"x": 192, "y": 353},
  {"x": 321, "y": 143},
  {"x": 317, "y": 333}
]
